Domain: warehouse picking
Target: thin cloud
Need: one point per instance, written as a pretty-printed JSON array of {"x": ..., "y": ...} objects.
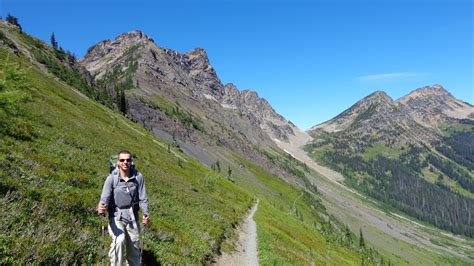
[{"x": 387, "y": 76}]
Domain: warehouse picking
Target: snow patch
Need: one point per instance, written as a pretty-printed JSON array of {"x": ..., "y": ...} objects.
[
  {"x": 228, "y": 106},
  {"x": 210, "y": 97}
]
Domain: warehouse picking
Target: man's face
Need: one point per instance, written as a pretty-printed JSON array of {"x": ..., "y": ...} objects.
[{"x": 124, "y": 161}]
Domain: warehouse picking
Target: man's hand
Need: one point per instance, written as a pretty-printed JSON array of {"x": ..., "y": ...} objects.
[
  {"x": 101, "y": 209},
  {"x": 145, "y": 219}
]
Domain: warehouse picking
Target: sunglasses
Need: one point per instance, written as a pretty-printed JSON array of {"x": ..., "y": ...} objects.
[{"x": 125, "y": 160}]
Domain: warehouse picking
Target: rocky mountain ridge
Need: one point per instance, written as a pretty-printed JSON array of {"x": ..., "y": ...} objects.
[
  {"x": 192, "y": 72},
  {"x": 180, "y": 98},
  {"x": 412, "y": 119}
]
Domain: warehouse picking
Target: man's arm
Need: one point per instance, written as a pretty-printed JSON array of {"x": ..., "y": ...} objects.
[
  {"x": 143, "y": 201},
  {"x": 143, "y": 197},
  {"x": 105, "y": 196}
]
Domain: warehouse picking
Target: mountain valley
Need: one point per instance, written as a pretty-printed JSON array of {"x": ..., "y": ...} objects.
[{"x": 399, "y": 174}]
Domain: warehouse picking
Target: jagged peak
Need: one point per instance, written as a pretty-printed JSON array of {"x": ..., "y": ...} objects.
[
  {"x": 135, "y": 35},
  {"x": 250, "y": 96},
  {"x": 198, "y": 53},
  {"x": 199, "y": 60},
  {"x": 231, "y": 87},
  {"x": 250, "y": 93},
  {"x": 121, "y": 42}
]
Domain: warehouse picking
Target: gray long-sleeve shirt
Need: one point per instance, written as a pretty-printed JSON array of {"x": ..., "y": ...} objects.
[{"x": 124, "y": 197}]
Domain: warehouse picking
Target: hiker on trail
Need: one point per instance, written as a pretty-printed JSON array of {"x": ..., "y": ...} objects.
[{"x": 122, "y": 195}]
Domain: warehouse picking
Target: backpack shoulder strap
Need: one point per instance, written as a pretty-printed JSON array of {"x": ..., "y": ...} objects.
[
  {"x": 112, "y": 162},
  {"x": 116, "y": 179}
]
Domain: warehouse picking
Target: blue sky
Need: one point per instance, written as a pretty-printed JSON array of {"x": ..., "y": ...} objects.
[{"x": 310, "y": 59}]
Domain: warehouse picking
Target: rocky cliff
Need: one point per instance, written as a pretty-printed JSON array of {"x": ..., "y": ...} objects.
[{"x": 180, "y": 97}]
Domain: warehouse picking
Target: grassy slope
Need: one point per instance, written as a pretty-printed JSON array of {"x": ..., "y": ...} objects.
[
  {"x": 51, "y": 184},
  {"x": 292, "y": 225}
]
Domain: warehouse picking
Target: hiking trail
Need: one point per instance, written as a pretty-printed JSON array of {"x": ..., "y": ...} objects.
[{"x": 245, "y": 252}]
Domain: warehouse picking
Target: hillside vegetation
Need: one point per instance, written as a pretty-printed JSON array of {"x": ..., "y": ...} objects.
[{"x": 54, "y": 147}]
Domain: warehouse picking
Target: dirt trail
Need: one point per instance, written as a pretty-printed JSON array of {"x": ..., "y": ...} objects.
[{"x": 246, "y": 246}]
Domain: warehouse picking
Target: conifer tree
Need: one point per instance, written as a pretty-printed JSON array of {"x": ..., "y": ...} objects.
[
  {"x": 14, "y": 21},
  {"x": 123, "y": 102},
  {"x": 54, "y": 43},
  {"x": 348, "y": 237},
  {"x": 117, "y": 97},
  {"x": 361, "y": 240},
  {"x": 71, "y": 57}
]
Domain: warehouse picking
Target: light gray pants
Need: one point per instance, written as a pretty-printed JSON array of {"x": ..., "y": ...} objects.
[{"x": 125, "y": 242}]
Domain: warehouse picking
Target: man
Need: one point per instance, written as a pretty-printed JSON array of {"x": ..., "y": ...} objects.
[{"x": 122, "y": 195}]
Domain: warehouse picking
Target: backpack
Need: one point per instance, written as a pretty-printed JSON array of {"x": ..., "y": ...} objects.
[{"x": 112, "y": 162}]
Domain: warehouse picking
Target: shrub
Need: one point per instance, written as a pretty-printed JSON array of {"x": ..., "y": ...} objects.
[{"x": 13, "y": 92}]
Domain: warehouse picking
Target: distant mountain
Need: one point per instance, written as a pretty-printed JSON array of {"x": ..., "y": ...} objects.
[
  {"x": 377, "y": 103},
  {"x": 416, "y": 153},
  {"x": 431, "y": 106},
  {"x": 377, "y": 119}
]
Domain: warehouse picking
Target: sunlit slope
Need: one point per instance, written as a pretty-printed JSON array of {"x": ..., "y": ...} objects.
[
  {"x": 54, "y": 152},
  {"x": 53, "y": 173}
]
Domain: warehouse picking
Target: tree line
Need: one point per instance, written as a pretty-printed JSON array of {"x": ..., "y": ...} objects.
[{"x": 399, "y": 183}]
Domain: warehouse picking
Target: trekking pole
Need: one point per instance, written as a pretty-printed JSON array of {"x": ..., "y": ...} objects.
[
  {"x": 103, "y": 237},
  {"x": 141, "y": 243}
]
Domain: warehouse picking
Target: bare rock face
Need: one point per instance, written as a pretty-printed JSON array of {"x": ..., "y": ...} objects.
[
  {"x": 270, "y": 121},
  {"x": 203, "y": 73},
  {"x": 259, "y": 112},
  {"x": 106, "y": 52},
  {"x": 231, "y": 97}
]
